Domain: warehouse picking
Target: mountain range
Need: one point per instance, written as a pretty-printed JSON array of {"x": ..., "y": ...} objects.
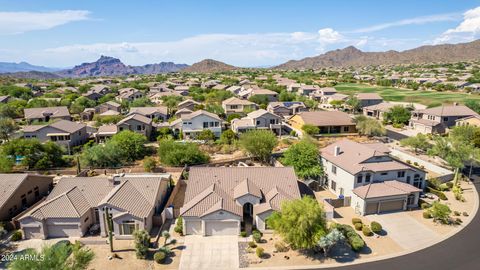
[
  {"x": 351, "y": 56},
  {"x": 347, "y": 57}
]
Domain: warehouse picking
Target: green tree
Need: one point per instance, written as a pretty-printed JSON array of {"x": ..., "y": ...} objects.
[
  {"x": 467, "y": 134},
  {"x": 397, "y": 115},
  {"x": 172, "y": 153},
  {"x": 259, "y": 143},
  {"x": 130, "y": 145},
  {"x": 310, "y": 129},
  {"x": 369, "y": 126},
  {"x": 304, "y": 157},
  {"x": 473, "y": 104},
  {"x": 418, "y": 142},
  {"x": 259, "y": 99},
  {"x": 149, "y": 164},
  {"x": 354, "y": 104},
  {"x": 206, "y": 135},
  {"x": 35, "y": 154},
  {"x": 232, "y": 116},
  {"x": 300, "y": 222},
  {"x": 7, "y": 127},
  {"x": 228, "y": 137},
  {"x": 6, "y": 163},
  {"x": 440, "y": 212},
  {"x": 142, "y": 243}
]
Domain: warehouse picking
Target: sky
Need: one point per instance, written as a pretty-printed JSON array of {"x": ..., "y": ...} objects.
[{"x": 246, "y": 33}]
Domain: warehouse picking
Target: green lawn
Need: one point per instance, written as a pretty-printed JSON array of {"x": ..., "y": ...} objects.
[{"x": 406, "y": 95}]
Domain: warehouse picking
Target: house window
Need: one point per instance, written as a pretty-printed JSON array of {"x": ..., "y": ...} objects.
[
  {"x": 417, "y": 181},
  {"x": 233, "y": 107},
  {"x": 67, "y": 137},
  {"x": 401, "y": 174},
  {"x": 384, "y": 173},
  {"x": 359, "y": 179},
  {"x": 128, "y": 227},
  {"x": 345, "y": 129},
  {"x": 334, "y": 169},
  {"x": 258, "y": 123},
  {"x": 368, "y": 178},
  {"x": 445, "y": 119},
  {"x": 85, "y": 220},
  {"x": 333, "y": 186},
  {"x": 272, "y": 121},
  {"x": 205, "y": 124},
  {"x": 139, "y": 127},
  {"x": 217, "y": 124}
]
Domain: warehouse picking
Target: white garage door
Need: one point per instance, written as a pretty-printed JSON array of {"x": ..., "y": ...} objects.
[
  {"x": 63, "y": 231},
  {"x": 193, "y": 226},
  {"x": 32, "y": 232},
  {"x": 221, "y": 227}
]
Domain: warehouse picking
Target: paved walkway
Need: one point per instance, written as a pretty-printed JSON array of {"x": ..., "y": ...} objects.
[
  {"x": 405, "y": 230},
  {"x": 212, "y": 252}
]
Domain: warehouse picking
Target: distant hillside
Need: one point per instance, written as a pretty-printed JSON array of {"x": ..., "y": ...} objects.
[
  {"x": 37, "y": 75},
  {"x": 109, "y": 66},
  {"x": 208, "y": 66},
  {"x": 7, "y": 67},
  {"x": 352, "y": 56}
]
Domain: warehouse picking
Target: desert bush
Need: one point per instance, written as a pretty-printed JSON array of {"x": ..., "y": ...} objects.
[
  {"x": 252, "y": 244},
  {"x": 426, "y": 215},
  {"x": 425, "y": 205},
  {"x": 159, "y": 256},
  {"x": 358, "y": 226},
  {"x": 376, "y": 227},
  {"x": 281, "y": 247},
  {"x": 457, "y": 213},
  {"x": 16, "y": 236},
  {"x": 179, "y": 227},
  {"x": 243, "y": 234},
  {"x": 367, "y": 231},
  {"x": 257, "y": 236},
  {"x": 438, "y": 193},
  {"x": 260, "y": 252},
  {"x": 356, "y": 220}
]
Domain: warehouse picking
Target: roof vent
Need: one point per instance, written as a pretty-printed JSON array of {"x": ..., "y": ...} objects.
[{"x": 337, "y": 150}]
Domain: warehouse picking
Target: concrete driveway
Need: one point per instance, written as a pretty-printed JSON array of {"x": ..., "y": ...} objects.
[
  {"x": 405, "y": 230},
  {"x": 212, "y": 252}
]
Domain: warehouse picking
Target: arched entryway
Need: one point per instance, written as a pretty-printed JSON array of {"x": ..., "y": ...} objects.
[{"x": 247, "y": 218}]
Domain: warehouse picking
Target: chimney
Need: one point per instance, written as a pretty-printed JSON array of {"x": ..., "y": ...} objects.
[{"x": 337, "y": 151}]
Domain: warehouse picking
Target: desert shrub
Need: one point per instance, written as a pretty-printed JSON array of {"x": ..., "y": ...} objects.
[
  {"x": 426, "y": 215},
  {"x": 425, "y": 205},
  {"x": 444, "y": 187},
  {"x": 376, "y": 227},
  {"x": 356, "y": 220},
  {"x": 252, "y": 244},
  {"x": 159, "y": 256},
  {"x": 243, "y": 234},
  {"x": 449, "y": 184},
  {"x": 281, "y": 247},
  {"x": 465, "y": 214},
  {"x": 358, "y": 226},
  {"x": 457, "y": 192},
  {"x": 149, "y": 164},
  {"x": 16, "y": 236},
  {"x": 354, "y": 239},
  {"x": 257, "y": 236},
  {"x": 438, "y": 193},
  {"x": 440, "y": 212},
  {"x": 366, "y": 231},
  {"x": 457, "y": 213},
  {"x": 179, "y": 227},
  {"x": 458, "y": 221},
  {"x": 260, "y": 252}
]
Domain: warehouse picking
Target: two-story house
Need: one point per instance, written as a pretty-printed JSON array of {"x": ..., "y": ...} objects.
[
  {"x": 159, "y": 113},
  {"x": 136, "y": 122},
  {"x": 129, "y": 94},
  {"x": 368, "y": 99},
  {"x": 286, "y": 108},
  {"x": 236, "y": 105},
  {"x": 108, "y": 106},
  {"x": 259, "y": 119},
  {"x": 439, "y": 119},
  {"x": 62, "y": 132},
  {"x": 369, "y": 179},
  {"x": 328, "y": 122},
  {"x": 193, "y": 123},
  {"x": 46, "y": 114}
]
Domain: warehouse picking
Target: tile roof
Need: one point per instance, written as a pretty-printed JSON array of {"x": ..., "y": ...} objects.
[
  {"x": 326, "y": 118},
  {"x": 215, "y": 188},
  {"x": 235, "y": 101},
  {"x": 148, "y": 110},
  {"x": 453, "y": 110},
  {"x": 62, "y": 125},
  {"x": 34, "y": 113},
  {"x": 70, "y": 204},
  {"x": 365, "y": 96},
  {"x": 136, "y": 116},
  {"x": 8, "y": 184},
  {"x": 384, "y": 189},
  {"x": 353, "y": 155},
  {"x": 200, "y": 112}
]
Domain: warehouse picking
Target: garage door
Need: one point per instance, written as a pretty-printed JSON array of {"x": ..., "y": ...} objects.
[
  {"x": 391, "y": 206},
  {"x": 371, "y": 208},
  {"x": 221, "y": 228},
  {"x": 193, "y": 227},
  {"x": 63, "y": 231},
  {"x": 32, "y": 233}
]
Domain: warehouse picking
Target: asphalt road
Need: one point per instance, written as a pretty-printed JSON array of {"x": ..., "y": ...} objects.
[{"x": 461, "y": 251}]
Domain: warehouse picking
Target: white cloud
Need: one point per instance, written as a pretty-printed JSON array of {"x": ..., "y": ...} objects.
[
  {"x": 238, "y": 49},
  {"x": 467, "y": 30},
  {"x": 411, "y": 21},
  {"x": 21, "y": 22}
]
